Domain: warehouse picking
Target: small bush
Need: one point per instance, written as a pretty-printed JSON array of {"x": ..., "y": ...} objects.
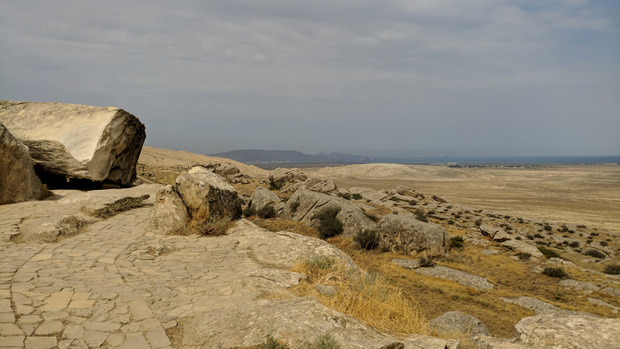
[
  {"x": 421, "y": 216},
  {"x": 368, "y": 239},
  {"x": 211, "y": 226},
  {"x": 427, "y": 262},
  {"x": 272, "y": 343},
  {"x": 370, "y": 216},
  {"x": 413, "y": 202},
  {"x": 456, "y": 242},
  {"x": 275, "y": 186},
  {"x": 549, "y": 253},
  {"x": 524, "y": 256},
  {"x": 295, "y": 206},
  {"x": 356, "y": 196},
  {"x": 574, "y": 244},
  {"x": 266, "y": 211},
  {"x": 249, "y": 210},
  {"x": 329, "y": 225},
  {"x": 612, "y": 269},
  {"x": 594, "y": 253},
  {"x": 547, "y": 227},
  {"x": 320, "y": 262},
  {"x": 555, "y": 272},
  {"x": 345, "y": 196},
  {"x": 325, "y": 341},
  {"x": 603, "y": 243},
  {"x": 450, "y": 221}
]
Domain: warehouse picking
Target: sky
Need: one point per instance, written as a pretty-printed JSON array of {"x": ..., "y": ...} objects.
[{"x": 374, "y": 78}]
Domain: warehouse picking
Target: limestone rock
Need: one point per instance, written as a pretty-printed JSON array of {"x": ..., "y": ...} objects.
[
  {"x": 549, "y": 331},
  {"x": 542, "y": 308},
  {"x": 320, "y": 185},
  {"x": 369, "y": 194},
  {"x": 80, "y": 141},
  {"x": 406, "y": 191},
  {"x": 460, "y": 277},
  {"x": 207, "y": 194},
  {"x": 283, "y": 176},
  {"x": 523, "y": 247},
  {"x": 305, "y": 203},
  {"x": 456, "y": 321},
  {"x": 288, "y": 320},
  {"x": 494, "y": 233},
  {"x": 18, "y": 182},
  {"x": 404, "y": 233},
  {"x": 263, "y": 197},
  {"x": 169, "y": 214}
]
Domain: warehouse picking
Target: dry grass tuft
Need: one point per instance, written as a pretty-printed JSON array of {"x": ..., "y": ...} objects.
[
  {"x": 367, "y": 297},
  {"x": 118, "y": 206}
]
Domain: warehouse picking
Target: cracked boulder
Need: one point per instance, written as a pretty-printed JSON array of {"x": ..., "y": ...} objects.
[
  {"x": 404, "y": 233},
  {"x": 302, "y": 206},
  {"x": 18, "y": 182},
  {"x": 98, "y": 144}
]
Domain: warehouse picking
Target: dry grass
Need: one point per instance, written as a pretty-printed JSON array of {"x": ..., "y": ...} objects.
[
  {"x": 369, "y": 298},
  {"x": 118, "y": 206}
]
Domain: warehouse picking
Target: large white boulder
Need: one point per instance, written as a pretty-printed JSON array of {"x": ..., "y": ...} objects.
[
  {"x": 80, "y": 141},
  {"x": 18, "y": 182},
  {"x": 402, "y": 232}
]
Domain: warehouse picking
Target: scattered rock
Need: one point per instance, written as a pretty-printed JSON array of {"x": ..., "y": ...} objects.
[
  {"x": 369, "y": 194},
  {"x": 407, "y": 263},
  {"x": 305, "y": 203},
  {"x": 326, "y": 290},
  {"x": 440, "y": 200},
  {"x": 460, "y": 277},
  {"x": 280, "y": 177},
  {"x": 523, "y": 247},
  {"x": 456, "y": 321},
  {"x": 494, "y": 233},
  {"x": 404, "y": 233},
  {"x": 580, "y": 286},
  {"x": 406, "y": 191},
  {"x": 263, "y": 197},
  {"x": 79, "y": 141},
  {"x": 18, "y": 181},
  {"x": 207, "y": 194},
  {"x": 613, "y": 308},
  {"x": 169, "y": 215},
  {"x": 320, "y": 185}
]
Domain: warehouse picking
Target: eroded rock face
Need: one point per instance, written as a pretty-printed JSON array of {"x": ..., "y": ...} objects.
[
  {"x": 207, "y": 194},
  {"x": 302, "y": 206},
  {"x": 263, "y": 197},
  {"x": 18, "y": 182},
  {"x": 280, "y": 177},
  {"x": 404, "y": 233},
  {"x": 456, "y": 321},
  {"x": 169, "y": 213},
  {"x": 79, "y": 141}
]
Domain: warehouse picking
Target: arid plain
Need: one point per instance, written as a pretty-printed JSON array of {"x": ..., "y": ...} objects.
[{"x": 575, "y": 194}]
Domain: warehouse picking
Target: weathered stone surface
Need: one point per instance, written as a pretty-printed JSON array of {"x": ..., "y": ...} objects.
[
  {"x": 309, "y": 202},
  {"x": 404, "y": 233},
  {"x": 456, "y": 321},
  {"x": 542, "y": 308},
  {"x": 169, "y": 214},
  {"x": 320, "y": 185},
  {"x": 263, "y": 197},
  {"x": 95, "y": 143},
  {"x": 494, "y": 233},
  {"x": 406, "y": 191},
  {"x": 207, "y": 194},
  {"x": 289, "y": 320},
  {"x": 280, "y": 177},
  {"x": 460, "y": 277},
  {"x": 523, "y": 247},
  {"x": 283, "y": 249},
  {"x": 581, "y": 286},
  {"x": 369, "y": 194},
  {"x": 549, "y": 331},
  {"x": 18, "y": 182}
]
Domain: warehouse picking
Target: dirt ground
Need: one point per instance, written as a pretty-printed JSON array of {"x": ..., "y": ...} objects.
[{"x": 574, "y": 194}]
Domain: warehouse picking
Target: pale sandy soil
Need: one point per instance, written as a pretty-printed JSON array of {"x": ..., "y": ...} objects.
[{"x": 577, "y": 194}]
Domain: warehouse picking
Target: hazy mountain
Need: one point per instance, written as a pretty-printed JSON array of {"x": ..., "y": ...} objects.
[{"x": 287, "y": 156}]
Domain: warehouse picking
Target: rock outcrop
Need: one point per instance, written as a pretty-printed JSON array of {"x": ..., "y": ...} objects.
[
  {"x": 78, "y": 141},
  {"x": 302, "y": 206},
  {"x": 281, "y": 177},
  {"x": 320, "y": 185},
  {"x": 18, "y": 182},
  {"x": 562, "y": 332},
  {"x": 404, "y": 233},
  {"x": 263, "y": 197},
  {"x": 456, "y": 321},
  {"x": 198, "y": 195}
]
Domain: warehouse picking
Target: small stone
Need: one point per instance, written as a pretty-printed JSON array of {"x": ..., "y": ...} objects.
[
  {"x": 10, "y": 329},
  {"x": 49, "y": 327},
  {"x": 136, "y": 342},
  {"x": 157, "y": 338},
  {"x": 140, "y": 310},
  {"x": 12, "y": 341},
  {"x": 74, "y": 332},
  {"x": 95, "y": 338},
  {"x": 40, "y": 342}
]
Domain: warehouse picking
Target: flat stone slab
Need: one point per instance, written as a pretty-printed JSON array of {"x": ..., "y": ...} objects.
[
  {"x": 460, "y": 277},
  {"x": 540, "y": 307}
]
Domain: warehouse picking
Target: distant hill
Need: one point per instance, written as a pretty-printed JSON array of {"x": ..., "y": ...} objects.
[{"x": 257, "y": 156}]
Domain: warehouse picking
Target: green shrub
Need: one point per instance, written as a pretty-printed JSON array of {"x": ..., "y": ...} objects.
[
  {"x": 574, "y": 244},
  {"x": 594, "y": 253},
  {"x": 329, "y": 225},
  {"x": 320, "y": 262},
  {"x": 456, "y": 242},
  {"x": 370, "y": 216},
  {"x": 212, "y": 226},
  {"x": 427, "y": 262},
  {"x": 547, "y": 227},
  {"x": 267, "y": 211},
  {"x": 271, "y": 343},
  {"x": 249, "y": 210},
  {"x": 325, "y": 341},
  {"x": 524, "y": 255},
  {"x": 356, "y": 196},
  {"x": 345, "y": 196},
  {"x": 555, "y": 272},
  {"x": 549, "y": 253},
  {"x": 612, "y": 269},
  {"x": 295, "y": 206},
  {"x": 367, "y": 238},
  {"x": 275, "y": 186},
  {"x": 421, "y": 216}
]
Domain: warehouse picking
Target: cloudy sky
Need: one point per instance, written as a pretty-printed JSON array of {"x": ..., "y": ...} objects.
[{"x": 388, "y": 77}]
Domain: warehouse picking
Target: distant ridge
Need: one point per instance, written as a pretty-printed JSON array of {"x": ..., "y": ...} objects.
[{"x": 259, "y": 156}]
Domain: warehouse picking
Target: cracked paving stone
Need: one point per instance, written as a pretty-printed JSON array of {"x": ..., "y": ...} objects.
[{"x": 40, "y": 342}]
